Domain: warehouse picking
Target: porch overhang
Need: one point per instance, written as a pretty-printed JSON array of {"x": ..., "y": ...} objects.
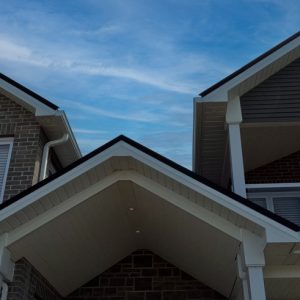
[{"x": 120, "y": 199}]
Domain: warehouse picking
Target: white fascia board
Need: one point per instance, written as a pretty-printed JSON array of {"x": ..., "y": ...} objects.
[
  {"x": 38, "y": 107},
  {"x": 221, "y": 93},
  {"x": 275, "y": 232}
]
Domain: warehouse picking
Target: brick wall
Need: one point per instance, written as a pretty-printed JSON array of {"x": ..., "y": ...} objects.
[
  {"x": 144, "y": 276},
  {"x": 286, "y": 169},
  {"x": 29, "y": 284},
  {"x": 21, "y": 124}
]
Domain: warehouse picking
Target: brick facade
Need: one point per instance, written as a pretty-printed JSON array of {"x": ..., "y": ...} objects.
[
  {"x": 144, "y": 276},
  {"x": 286, "y": 169},
  {"x": 140, "y": 276},
  {"x": 29, "y": 284},
  {"x": 19, "y": 123}
]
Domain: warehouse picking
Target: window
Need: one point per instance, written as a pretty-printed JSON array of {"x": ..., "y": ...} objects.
[
  {"x": 5, "y": 154},
  {"x": 283, "y": 201}
]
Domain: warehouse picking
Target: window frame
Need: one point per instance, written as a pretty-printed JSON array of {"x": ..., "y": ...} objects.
[
  {"x": 270, "y": 195},
  {"x": 6, "y": 141}
]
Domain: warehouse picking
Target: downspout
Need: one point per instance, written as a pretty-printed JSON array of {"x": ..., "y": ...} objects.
[{"x": 45, "y": 156}]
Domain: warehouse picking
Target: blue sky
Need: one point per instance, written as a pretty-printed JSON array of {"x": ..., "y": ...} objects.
[{"x": 131, "y": 66}]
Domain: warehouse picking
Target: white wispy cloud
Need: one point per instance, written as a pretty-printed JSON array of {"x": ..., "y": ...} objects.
[
  {"x": 11, "y": 50},
  {"x": 138, "y": 116},
  {"x": 99, "y": 32},
  {"x": 88, "y": 131},
  {"x": 87, "y": 144}
]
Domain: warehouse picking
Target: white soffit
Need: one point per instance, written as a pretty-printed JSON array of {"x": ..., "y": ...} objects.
[{"x": 275, "y": 142}]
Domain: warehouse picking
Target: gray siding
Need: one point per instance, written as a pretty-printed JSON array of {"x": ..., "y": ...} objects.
[{"x": 277, "y": 99}]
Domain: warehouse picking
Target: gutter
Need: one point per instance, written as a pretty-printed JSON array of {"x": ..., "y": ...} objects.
[
  {"x": 46, "y": 150},
  {"x": 64, "y": 118}
]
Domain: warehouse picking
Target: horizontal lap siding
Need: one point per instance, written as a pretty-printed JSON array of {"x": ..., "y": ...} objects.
[{"x": 276, "y": 99}]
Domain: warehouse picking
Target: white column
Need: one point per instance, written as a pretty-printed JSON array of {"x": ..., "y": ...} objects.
[
  {"x": 243, "y": 276},
  {"x": 236, "y": 158},
  {"x": 253, "y": 261},
  {"x": 233, "y": 120},
  {"x": 6, "y": 267},
  {"x": 256, "y": 282}
]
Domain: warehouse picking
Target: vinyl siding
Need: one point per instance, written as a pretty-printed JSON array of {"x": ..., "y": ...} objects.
[{"x": 277, "y": 99}]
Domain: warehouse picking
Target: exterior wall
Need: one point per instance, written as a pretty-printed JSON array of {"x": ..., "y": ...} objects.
[
  {"x": 144, "y": 276},
  {"x": 21, "y": 124},
  {"x": 286, "y": 169},
  {"x": 276, "y": 99},
  {"x": 29, "y": 284}
]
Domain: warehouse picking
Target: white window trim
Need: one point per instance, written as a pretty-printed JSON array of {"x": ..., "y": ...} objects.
[
  {"x": 5, "y": 141},
  {"x": 269, "y": 195},
  {"x": 273, "y": 185}
]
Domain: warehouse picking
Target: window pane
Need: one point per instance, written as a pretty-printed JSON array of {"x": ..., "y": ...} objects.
[
  {"x": 288, "y": 207},
  {"x": 259, "y": 201},
  {"x": 4, "y": 150}
]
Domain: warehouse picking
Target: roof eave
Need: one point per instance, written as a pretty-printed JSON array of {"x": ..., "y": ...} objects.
[
  {"x": 220, "y": 91},
  {"x": 41, "y": 108},
  {"x": 287, "y": 230}
]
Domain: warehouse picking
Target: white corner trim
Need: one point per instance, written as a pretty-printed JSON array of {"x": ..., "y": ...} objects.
[{"x": 194, "y": 159}]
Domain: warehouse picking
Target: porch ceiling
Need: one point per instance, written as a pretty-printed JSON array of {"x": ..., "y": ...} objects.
[
  {"x": 92, "y": 236},
  {"x": 282, "y": 271},
  {"x": 270, "y": 141}
]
